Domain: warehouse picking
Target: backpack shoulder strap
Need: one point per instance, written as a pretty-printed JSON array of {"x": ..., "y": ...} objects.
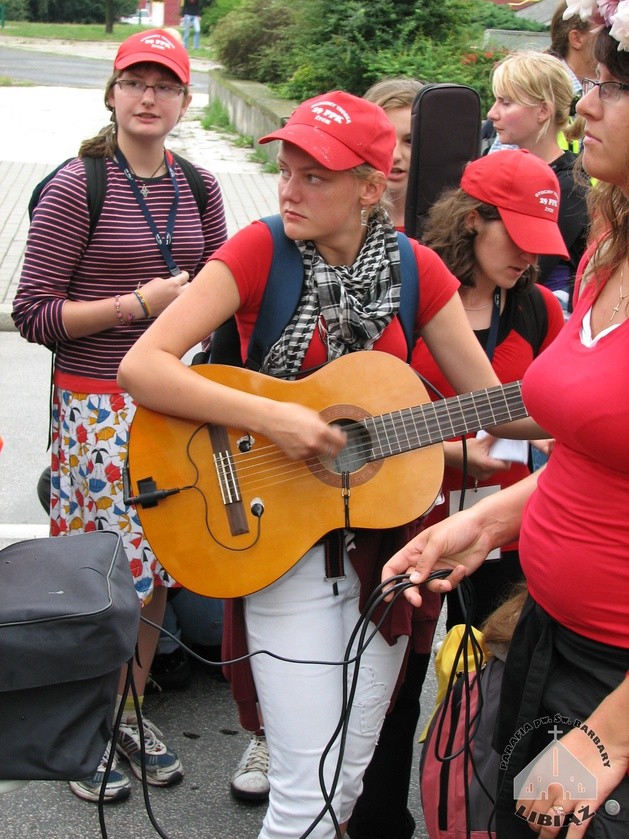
[
  {"x": 96, "y": 185},
  {"x": 196, "y": 182},
  {"x": 409, "y": 292},
  {"x": 96, "y": 181},
  {"x": 37, "y": 189},
  {"x": 281, "y": 294}
]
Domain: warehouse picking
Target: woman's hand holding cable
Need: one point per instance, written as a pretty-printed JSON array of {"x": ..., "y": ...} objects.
[{"x": 462, "y": 541}]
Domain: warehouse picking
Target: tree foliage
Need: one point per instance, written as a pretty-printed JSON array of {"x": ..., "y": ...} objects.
[
  {"x": 77, "y": 11},
  {"x": 305, "y": 47}
]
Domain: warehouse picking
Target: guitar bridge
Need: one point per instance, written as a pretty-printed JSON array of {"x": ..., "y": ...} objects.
[{"x": 228, "y": 480}]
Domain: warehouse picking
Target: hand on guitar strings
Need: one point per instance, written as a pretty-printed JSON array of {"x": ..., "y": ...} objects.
[{"x": 300, "y": 432}]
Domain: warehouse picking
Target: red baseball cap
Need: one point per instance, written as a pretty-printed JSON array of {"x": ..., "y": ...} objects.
[
  {"x": 157, "y": 47},
  {"x": 340, "y": 131},
  {"x": 525, "y": 190}
]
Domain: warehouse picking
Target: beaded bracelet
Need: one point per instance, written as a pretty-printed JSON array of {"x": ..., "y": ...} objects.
[
  {"x": 121, "y": 319},
  {"x": 143, "y": 303}
]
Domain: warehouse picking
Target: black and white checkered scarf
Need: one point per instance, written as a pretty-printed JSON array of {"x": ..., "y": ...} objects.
[{"x": 351, "y": 305}]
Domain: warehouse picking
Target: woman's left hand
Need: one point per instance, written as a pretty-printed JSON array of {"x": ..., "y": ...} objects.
[
  {"x": 161, "y": 291},
  {"x": 480, "y": 464}
]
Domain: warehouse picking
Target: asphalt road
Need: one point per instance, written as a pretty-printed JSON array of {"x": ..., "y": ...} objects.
[{"x": 61, "y": 69}]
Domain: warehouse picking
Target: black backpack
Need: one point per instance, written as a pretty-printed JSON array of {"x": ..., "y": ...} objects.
[{"x": 96, "y": 178}]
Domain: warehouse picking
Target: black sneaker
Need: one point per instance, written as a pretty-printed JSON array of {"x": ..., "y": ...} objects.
[{"x": 170, "y": 671}]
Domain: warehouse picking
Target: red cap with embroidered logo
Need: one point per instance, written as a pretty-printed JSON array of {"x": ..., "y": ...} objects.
[
  {"x": 157, "y": 47},
  {"x": 525, "y": 190},
  {"x": 340, "y": 131}
]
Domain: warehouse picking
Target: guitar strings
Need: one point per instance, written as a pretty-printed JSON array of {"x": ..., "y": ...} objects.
[
  {"x": 271, "y": 467},
  {"x": 394, "y": 422}
]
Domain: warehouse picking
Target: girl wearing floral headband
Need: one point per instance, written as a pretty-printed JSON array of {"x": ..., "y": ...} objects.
[
  {"x": 568, "y": 664},
  {"x": 613, "y": 15}
]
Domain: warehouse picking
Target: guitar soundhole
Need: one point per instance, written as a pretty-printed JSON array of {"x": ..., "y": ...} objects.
[{"x": 355, "y": 458}]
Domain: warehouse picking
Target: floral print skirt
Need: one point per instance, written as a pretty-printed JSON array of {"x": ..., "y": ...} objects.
[{"x": 90, "y": 434}]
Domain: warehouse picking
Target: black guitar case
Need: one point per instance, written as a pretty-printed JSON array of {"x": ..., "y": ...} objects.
[{"x": 445, "y": 135}]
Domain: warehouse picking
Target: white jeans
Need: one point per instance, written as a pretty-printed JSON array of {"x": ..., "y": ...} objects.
[{"x": 300, "y": 617}]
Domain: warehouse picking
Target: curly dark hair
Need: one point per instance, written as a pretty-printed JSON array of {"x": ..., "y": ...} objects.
[{"x": 448, "y": 234}]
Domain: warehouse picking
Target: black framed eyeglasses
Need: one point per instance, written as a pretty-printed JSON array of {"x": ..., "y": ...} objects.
[
  {"x": 135, "y": 89},
  {"x": 608, "y": 91}
]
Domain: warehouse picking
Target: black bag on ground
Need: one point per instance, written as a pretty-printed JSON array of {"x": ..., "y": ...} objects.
[
  {"x": 69, "y": 617},
  {"x": 445, "y": 135}
]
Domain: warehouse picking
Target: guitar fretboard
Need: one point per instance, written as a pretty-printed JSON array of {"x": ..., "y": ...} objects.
[{"x": 424, "y": 425}]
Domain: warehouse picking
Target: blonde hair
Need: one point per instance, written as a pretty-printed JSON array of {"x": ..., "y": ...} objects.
[
  {"x": 531, "y": 78},
  {"x": 394, "y": 93},
  {"x": 499, "y": 626}
]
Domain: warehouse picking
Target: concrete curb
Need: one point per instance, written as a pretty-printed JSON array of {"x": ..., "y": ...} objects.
[{"x": 6, "y": 321}]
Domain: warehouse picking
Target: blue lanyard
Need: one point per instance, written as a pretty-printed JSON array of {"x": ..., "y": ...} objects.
[{"x": 164, "y": 242}]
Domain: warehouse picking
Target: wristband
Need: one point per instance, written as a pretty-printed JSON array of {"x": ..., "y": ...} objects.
[{"x": 143, "y": 303}]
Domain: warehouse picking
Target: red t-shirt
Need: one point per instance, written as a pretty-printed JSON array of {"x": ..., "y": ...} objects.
[
  {"x": 574, "y": 541},
  {"x": 516, "y": 346},
  {"x": 437, "y": 286}
]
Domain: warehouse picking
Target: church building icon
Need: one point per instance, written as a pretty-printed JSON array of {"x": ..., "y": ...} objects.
[{"x": 559, "y": 765}]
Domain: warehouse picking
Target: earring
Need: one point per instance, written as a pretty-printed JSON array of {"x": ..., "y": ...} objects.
[{"x": 364, "y": 217}]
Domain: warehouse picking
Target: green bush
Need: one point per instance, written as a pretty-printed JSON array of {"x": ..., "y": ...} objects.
[
  {"x": 244, "y": 38},
  {"x": 216, "y": 10},
  {"x": 305, "y": 47}
]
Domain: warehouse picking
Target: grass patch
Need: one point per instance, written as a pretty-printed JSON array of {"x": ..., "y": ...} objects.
[
  {"x": 269, "y": 166},
  {"x": 243, "y": 141},
  {"x": 68, "y": 31},
  {"x": 215, "y": 115},
  {"x": 7, "y": 81}
]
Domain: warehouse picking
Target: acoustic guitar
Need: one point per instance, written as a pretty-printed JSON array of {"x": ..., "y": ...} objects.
[{"x": 227, "y": 513}]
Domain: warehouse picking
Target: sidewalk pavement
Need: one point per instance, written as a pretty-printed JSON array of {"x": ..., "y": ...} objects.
[{"x": 45, "y": 125}]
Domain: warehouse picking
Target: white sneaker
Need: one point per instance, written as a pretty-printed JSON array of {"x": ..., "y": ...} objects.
[
  {"x": 163, "y": 767},
  {"x": 117, "y": 788},
  {"x": 250, "y": 780}
]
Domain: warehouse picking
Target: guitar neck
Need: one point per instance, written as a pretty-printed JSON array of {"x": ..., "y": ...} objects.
[{"x": 425, "y": 425}]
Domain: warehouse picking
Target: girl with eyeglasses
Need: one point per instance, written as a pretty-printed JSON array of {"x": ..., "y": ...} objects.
[
  {"x": 567, "y": 668},
  {"x": 89, "y": 296}
]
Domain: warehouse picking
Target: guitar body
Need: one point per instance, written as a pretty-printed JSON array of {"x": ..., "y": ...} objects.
[{"x": 248, "y": 513}]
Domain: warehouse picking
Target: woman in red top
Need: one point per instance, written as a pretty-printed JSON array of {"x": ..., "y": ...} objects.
[{"x": 567, "y": 664}]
